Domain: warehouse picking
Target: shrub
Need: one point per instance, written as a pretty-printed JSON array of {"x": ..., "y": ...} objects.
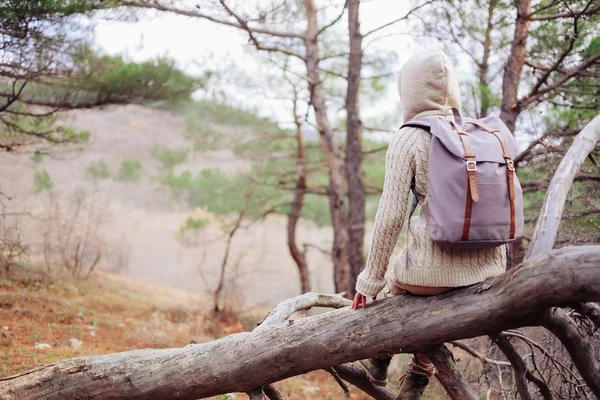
[
  {"x": 169, "y": 158},
  {"x": 42, "y": 181},
  {"x": 131, "y": 170},
  {"x": 99, "y": 170}
]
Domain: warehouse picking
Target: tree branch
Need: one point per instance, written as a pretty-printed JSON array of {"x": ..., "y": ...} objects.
[
  {"x": 414, "y": 9},
  {"x": 520, "y": 370},
  {"x": 567, "y": 14},
  {"x": 244, "y": 25},
  {"x": 590, "y": 310},
  {"x": 577, "y": 344},
  {"x": 547, "y": 225},
  {"x": 254, "y": 359},
  {"x": 155, "y": 5},
  {"x": 478, "y": 355},
  {"x": 335, "y": 20},
  {"x": 449, "y": 375},
  {"x": 536, "y": 95}
]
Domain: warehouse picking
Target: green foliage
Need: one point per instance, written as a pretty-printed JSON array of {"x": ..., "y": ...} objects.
[
  {"x": 118, "y": 80},
  {"x": 49, "y": 61},
  {"x": 222, "y": 194},
  {"x": 42, "y": 181},
  {"x": 131, "y": 170},
  {"x": 201, "y": 112},
  {"x": 37, "y": 157},
  {"x": 593, "y": 48},
  {"x": 169, "y": 158},
  {"x": 99, "y": 170},
  {"x": 194, "y": 224}
]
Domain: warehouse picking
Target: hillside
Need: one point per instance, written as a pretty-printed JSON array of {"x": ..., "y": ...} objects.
[
  {"x": 141, "y": 220},
  {"x": 44, "y": 320}
]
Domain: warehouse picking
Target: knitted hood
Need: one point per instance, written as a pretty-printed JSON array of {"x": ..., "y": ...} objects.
[{"x": 427, "y": 85}]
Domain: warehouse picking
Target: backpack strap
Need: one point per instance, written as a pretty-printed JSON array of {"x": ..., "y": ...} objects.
[
  {"x": 510, "y": 171},
  {"x": 472, "y": 190},
  {"x": 415, "y": 201},
  {"x": 417, "y": 123}
]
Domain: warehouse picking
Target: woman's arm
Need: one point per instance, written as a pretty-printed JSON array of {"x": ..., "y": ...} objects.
[{"x": 399, "y": 172}]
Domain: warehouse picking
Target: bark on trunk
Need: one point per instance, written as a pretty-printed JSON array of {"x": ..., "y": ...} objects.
[
  {"x": 509, "y": 110},
  {"x": 354, "y": 174},
  {"x": 296, "y": 209},
  {"x": 484, "y": 66},
  {"x": 339, "y": 221},
  {"x": 449, "y": 375},
  {"x": 548, "y": 222},
  {"x": 512, "y": 74},
  {"x": 243, "y": 362}
]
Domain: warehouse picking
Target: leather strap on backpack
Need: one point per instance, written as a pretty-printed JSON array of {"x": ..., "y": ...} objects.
[
  {"x": 510, "y": 172},
  {"x": 472, "y": 190},
  {"x": 510, "y": 179}
]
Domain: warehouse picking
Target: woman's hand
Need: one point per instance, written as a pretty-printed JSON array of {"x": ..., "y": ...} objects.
[{"x": 358, "y": 300}]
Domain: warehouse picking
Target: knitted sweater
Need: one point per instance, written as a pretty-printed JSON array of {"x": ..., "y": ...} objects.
[{"x": 427, "y": 85}]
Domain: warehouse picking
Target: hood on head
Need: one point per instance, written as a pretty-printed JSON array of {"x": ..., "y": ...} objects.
[{"x": 427, "y": 85}]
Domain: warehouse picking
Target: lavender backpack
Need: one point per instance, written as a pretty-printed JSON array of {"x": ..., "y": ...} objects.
[{"x": 474, "y": 198}]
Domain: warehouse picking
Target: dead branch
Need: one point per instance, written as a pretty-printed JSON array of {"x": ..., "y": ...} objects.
[
  {"x": 197, "y": 14},
  {"x": 590, "y": 310},
  {"x": 254, "y": 359},
  {"x": 532, "y": 186},
  {"x": 449, "y": 374},
  {"x": 339, "y": 380},
  {"x": 577, "y": 344},
  {"x": 272, "y": 393},
  {"x": 567, "y": 14},
  {"x": 520, "y": 369},
  {"x": 257, "y": 394},
  {"x": 356, "y": 376},
  {"x": 547, "y": 225},
  {"x": 478, "y": 355}
]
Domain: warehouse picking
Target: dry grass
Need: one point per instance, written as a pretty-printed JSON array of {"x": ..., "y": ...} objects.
[{"x": 111, "y": 313}]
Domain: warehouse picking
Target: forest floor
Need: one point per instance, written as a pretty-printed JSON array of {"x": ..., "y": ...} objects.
[{"x": 45, "y": 319}]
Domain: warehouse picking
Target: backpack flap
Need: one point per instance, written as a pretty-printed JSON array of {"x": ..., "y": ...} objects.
[{"x": 484, "y": 145}]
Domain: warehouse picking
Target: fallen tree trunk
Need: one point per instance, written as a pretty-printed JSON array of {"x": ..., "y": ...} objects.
[{"x": 243, "y": 362}]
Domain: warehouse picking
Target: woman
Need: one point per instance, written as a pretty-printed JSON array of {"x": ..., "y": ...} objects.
[{"x": 427, "y": 86}]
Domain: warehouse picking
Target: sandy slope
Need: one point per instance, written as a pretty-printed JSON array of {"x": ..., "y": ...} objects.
[{"x": 145, "y": 220}]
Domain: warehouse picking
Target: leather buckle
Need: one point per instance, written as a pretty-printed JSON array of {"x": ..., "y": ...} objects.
[
  {"x": 471, "y": 165},
  {"x": 510, "y": 165}
]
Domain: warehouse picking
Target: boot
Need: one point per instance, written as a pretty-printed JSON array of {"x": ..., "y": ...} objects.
[
  {"x": 376, "y": 369},
  {"x": 412, "y": 387}
]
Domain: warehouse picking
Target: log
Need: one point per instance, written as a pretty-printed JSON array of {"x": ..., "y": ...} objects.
[
  {"x": 548, "y": 222},
  {"x": 544, "y": 236},
  {"x": 245, "y": 361}
]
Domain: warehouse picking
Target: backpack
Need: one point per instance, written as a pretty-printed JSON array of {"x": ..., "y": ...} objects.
[{"x": 474, "y": 198}]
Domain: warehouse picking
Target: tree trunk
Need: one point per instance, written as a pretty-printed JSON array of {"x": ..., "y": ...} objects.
[
  {"x": 485, "y": 63},
  {"x": 509, "y": 110},
  {"x": 512, "y": 74},
  {"x": 246, "y": 361},
  {"x": 339, "y": 221},
  {"x": 356, "y": 188},
  {"x": 294, "y": 214}
]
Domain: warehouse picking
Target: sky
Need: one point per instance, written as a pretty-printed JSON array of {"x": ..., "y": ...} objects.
[{"x": 192, "y": 41}]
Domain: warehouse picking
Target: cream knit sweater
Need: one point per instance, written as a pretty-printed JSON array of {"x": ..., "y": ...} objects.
[{"x": 427, "y": 85}]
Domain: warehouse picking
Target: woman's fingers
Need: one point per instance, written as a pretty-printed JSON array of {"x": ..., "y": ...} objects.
[
  {"x": 355, "y": 302},
  {"x": 364, "y": 301}
]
